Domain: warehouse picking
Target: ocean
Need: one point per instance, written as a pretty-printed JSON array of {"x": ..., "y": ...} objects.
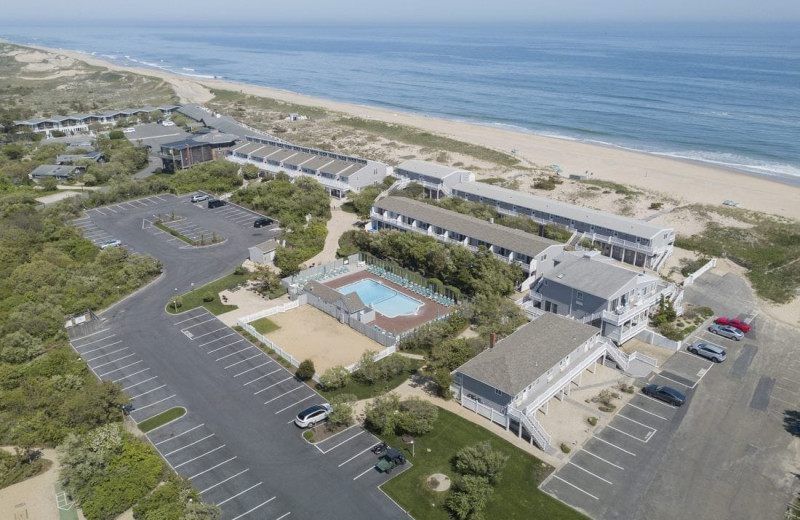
[{"x": 726, "y": 95}]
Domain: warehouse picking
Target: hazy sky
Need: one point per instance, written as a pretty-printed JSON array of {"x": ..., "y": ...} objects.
[{"x": 298, "y": 11}]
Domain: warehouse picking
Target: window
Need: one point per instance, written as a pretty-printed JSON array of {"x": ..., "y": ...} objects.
[
  {"x": 579, "y": 296},
  {"x": 497, "y": 391}
]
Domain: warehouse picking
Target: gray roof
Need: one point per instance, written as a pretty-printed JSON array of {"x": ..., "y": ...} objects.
[
  {"x": 299, "y": 158},
  {"x": 269, "y": 245},
  {"x": 596, "y": 275},
  {"x": 354, "y": 168},
  {"x": 282, "y": 155},
  {"x": 264, "y": 152},
  {"x": 248, "y": 148},
  {"x": 216, "y": 138},
  {"x": 336, "y": 167},
  {"x": 317, "y": 163},
  {"x": 509, "y": 238},
  {"x": 554, "y": 207},
  {"x": 352, "y": 302},
  {"x": 53, "y": 170},
  {"x": 428, "y": 169},
  {"x": 523, "y": 357},
  {"x": 66, "y": 158}
]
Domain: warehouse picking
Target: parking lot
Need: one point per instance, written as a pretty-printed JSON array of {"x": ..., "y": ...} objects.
[{"x": 605, "y": 478}]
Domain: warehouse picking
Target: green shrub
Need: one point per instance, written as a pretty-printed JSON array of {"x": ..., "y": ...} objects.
[
  {"x": 481, "y": 460},
  {"x": 209, "y": 297},
  {"x": 334, "y": 378},
  {"x": 116, "y": 134},
  {"x": 592, "y": 421},
  {"x": 306, "y": 370},
  {"x": 565, "y": 448}
]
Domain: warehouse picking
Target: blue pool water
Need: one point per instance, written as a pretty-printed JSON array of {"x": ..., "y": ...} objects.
[{"x": 387, "y": 301}]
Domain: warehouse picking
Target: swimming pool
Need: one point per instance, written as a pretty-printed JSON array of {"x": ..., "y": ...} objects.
[{"x": 387, "y": 301}]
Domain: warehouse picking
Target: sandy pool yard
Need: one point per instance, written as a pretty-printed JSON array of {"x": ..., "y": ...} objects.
[{"x": 308, "y": 333}]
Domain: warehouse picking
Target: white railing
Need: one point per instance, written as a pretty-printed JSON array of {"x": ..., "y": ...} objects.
[
  {"x": 274, "y": 347},
  {"x": 692, "y": 277},
  {"x": 643, "y": 358},
  {"x": 268, "y": 312},
  {"x": 535, "y": 429},
  {"x": 621, "y": 358},
  {"x": 388, "y": 351}
]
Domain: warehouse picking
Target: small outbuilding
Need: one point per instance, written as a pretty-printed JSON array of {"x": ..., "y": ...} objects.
[{"x": 264, "y": 252}]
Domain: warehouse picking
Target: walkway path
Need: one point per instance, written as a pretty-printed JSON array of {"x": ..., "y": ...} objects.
[{"x": 340, "y": 222}]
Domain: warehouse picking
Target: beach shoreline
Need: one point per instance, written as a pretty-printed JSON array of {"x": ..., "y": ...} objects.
[{"x": 681, "y": 181}]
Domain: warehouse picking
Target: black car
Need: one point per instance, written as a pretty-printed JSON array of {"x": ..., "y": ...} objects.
[
  {"x": 263, "y": 221},
  {"x": 664, "y": 393},
  {"x": 215, "y": 203}
]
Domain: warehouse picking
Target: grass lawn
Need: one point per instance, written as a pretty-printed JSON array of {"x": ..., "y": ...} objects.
[
  {"x": 516, "y": 496},
  {"x": 265, "y": 325},
  {"x": 194, "y": 299},
  {"x": 162, "y": 419},
  {"x": 365, "y": 391}
]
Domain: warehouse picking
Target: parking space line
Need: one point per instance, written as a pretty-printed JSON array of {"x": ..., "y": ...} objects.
[
  {"x": 239, "y": 493},
  {"x": 112, "y": 361},
  {"x": 182, "y": 433},
  {"x": 371, "y": 468},
  {"x": 225, "y": 346},
  {"x": 262, "y": 377},
  {"x": 139, "y": 383},
  {"x": 148, "y": 392},
  {"x": 212, "y": 468},
  {"x": 251, "y": 369},
  {"x": 275, "y": 384},
  {"x": 99, "y": 348},
  {"x": 189, "y": 319},
  {"x": 295, "y": 404},
  {"x": 637, "y": 422},
  {"x": 576, "y": 487},
  {"x": 242, "y": 361},
  {"x": 590, "y": 473},
  {"x": 118, "y": 369},
  {"x": 187, "y": 445},
  {"x": 95, "y": 341},
  {"x": 355, "y": 456},
  {"x": 108, "y": 354},
  {"x": 153, "y": 404},
  {"x": 615, "y": 446},
  {"x": 604, "y": 460},
  {"x": 208, "y": 333},
  {"x": 199, "y": 456},
  {"x": 92, "y": 334},
  {"x": 129, "y": 375},
  {"x": 285, "y": 393},
  {"x": 781, "y": 400},
  {"x": 647, "y": 411},
  {"x": 629, "y": 435},
  {"x": 284, "y": 516},
  {"x": 253, "y": 509},
  {"x": 196, "y": 324},
  {"x": 215, "y": 339},
  {"x": 658, "y": 402},
  {"x": 345, "y": 441},
  {"x": 248, "y": 347},
  {"x": 676, "y": 382},
  {"x": 224, "y": 481}
]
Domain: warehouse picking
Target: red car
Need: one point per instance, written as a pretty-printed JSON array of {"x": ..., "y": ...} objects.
[{"x": 733, "y": 322}]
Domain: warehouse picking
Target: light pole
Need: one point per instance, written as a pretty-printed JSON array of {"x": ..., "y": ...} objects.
[{"x": 175, "y": 300}]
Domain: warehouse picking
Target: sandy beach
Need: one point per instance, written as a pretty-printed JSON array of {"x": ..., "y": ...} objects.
[{"x": 680, "y": 182}]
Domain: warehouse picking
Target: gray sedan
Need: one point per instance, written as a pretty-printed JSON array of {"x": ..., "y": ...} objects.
[
  {"x": 726, "y": 331},
  {"x": 708, "y": 351}
]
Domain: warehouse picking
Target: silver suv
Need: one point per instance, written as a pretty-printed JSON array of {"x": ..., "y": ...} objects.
[
  {"x": 726, "y": 331},
  {"x": 708, "y": 351}
]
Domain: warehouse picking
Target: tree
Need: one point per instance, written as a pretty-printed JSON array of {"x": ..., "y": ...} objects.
[
  {"x": 367, "y": 367},
  {"x": 469, "y": 498},
  {"x": 250, "y": 171},
  {"x": 481, "y": 460},
  {"x": 416, "y": 416},
  {"x": 444, "y": 380},
  {"x": 343, "y": 410},
  {"x": 363, "y": 200},
  {"x": 451, "y": 354},
  {"x": 334, "y": 378},
  {"x": 380, "y": 414},
  {"x": 306, "y": 370}
]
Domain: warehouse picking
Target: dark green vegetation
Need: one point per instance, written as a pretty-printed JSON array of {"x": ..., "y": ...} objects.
[
  {"x": 609, "y": 186},
  {"x": 302, "y": 207},
  {"x": 26, "y": 93},
  {"x": 415, "y": 136},
  {"x": 162, "y": 419},
  {"x": 197, "y": 298},
  {"x": 20, "y": 466},
  {"x": 373, "y": 377},
  {"x": 242, "y": 102},
  {"x": 174, "y": 233},
  {"x": 769, "y": 249},
  {"x": 516, "y": 497}
]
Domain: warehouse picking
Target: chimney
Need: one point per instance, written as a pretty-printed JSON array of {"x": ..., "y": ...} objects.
[{"x": 492, "y": 340}]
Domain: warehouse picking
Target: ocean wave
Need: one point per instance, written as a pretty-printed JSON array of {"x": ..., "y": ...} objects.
[{"x": 736, "y": 162}]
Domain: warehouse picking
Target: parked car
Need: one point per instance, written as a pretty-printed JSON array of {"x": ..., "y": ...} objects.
[
  {"x": 664, "y": 393},
  {"x": 726, "y": 331},
  {"x": 262, "y": 221},
  {"x": 167, "y": 122},
  {"x": 200, "y": 197},
  {"x": 312, "y": 415},
  {"x": 733, "y": 322},
  {"x": 215, "y": 203},
  {"x": 110, "y": 243},
  {"x": 128, "y": 130},
  {"x": 708, "y": 351}
]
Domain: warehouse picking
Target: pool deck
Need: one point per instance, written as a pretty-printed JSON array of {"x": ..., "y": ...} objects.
[{"x": 428, "y": 312}]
